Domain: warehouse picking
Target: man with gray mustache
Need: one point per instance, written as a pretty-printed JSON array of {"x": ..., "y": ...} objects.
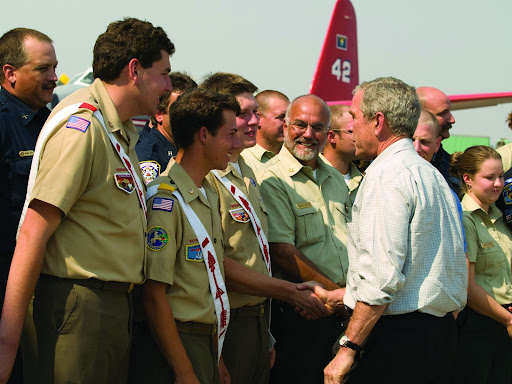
[{"x": 308, "y": 207}]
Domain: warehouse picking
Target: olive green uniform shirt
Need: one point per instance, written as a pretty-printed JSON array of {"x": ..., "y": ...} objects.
[
  {"x": 240, "y": 241},
  {"x": 174, "y": 254},
  {"x": 311, "y": 214},
  {"x": 489, "y": 246},
  {"x": 256, "y": 156},
  {"x": 355, "y": 179},
  {"x": 102, "y": 234}
]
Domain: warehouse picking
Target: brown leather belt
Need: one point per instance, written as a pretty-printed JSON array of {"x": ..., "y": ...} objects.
[
  {"x": 249, "y": 311},
  {"x": 94, "y": 283},
  {"x": 194, "y": 328}
]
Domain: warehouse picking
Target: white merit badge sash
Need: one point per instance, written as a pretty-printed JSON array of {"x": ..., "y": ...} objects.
[
  {"x": 217, "y": 285},
  {"x": 49, "y": 127},
  {"x": 244, "y": 202}
]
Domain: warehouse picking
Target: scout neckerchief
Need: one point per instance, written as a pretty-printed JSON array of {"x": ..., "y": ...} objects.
[
  {"x": 217, "y": 285},
  {"x": 49, "y": 128},
  {"x": 244, "y": 202}
]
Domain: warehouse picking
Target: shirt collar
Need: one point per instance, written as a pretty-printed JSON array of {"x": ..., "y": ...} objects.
[
  {"x": 403, "y": 144},
  {"x": 260, "y": 152},
  {"x": 22, "y": 110},
  {"x": 110, "y": 115},
  {"x": 293, "y": 166},
  {"x": 470, "y": 205},
  {"x": 184, "y": 183}
]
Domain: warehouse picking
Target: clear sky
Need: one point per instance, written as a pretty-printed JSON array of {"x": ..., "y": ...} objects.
[{"x": 459, "y": 46}]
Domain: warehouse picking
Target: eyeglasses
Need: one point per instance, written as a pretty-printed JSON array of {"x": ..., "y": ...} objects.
[
  {"x": 343, "y": 130},
  {"x": 301, "y": 126}
]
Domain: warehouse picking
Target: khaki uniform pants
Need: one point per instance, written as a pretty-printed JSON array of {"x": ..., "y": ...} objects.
[
  {"x": 246, "y": 348},
  {"x": 83, "y": 333},
  {"x": 148, "y": 365}
]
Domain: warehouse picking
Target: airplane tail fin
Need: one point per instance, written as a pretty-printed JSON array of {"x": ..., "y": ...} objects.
[{"x": 337, "y": 70}]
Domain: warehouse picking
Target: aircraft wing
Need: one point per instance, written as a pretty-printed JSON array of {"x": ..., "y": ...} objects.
[
  {"x": 479, "y": 100},
  {"x": 476, "y": 100}
]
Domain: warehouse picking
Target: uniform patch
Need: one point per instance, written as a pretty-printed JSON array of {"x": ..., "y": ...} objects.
[
  {"x": 78, "y": 123},
  {"x": 124, "y": 181},
  {"x": 150, "y": 170},
  {"x": 507, "y": 192},
  {"x": 157, "y": 239},
  {"x": 240, "y": 215},
  {"x": 163, "y": 204},
  {"x": 253, "y": 182},
  {"x": 341, "y": 42},
  {"x": 194, "y": 253},
  {"x": 303, "y": 205}
]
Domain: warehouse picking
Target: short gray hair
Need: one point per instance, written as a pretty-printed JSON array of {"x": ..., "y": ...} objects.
[{"x": 396, "y": 100}]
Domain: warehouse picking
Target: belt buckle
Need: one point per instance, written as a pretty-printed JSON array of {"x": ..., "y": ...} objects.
[
  {"x": 214, "y": 330},
  {"x": 131, "y": 287},
  {"x": 262, "y": 309}
]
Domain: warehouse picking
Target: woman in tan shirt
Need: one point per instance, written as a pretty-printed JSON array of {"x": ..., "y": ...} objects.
[{"x": 484, "y": 350}]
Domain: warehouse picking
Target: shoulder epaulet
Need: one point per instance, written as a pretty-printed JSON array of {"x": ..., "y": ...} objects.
[
  {"x": 81, "y": 119},
  {"x": 167, "y": 187},
  {"x": 152, "y": 191}
]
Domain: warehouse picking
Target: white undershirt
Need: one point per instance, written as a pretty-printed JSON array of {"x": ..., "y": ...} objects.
[
  {"x": 237, "y": 167},
  {"x": 346, "y": 176}
]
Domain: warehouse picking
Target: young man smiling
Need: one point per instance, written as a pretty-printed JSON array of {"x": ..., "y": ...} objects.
[{"x": 82, "y": 234}]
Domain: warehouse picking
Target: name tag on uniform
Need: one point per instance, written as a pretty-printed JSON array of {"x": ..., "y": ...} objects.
[
  {"x": 194, "y": 253},
  {"x": 304, "y": 205},
  {"x": 26, "y": 153},
  {"x": 488, "y": 244}
]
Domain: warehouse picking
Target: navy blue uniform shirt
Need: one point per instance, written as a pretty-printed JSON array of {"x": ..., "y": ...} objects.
[
  {"x": 19, "y": 129},
  {"x": 154, "y": 152},
  {"x": 442, "y": 161}
]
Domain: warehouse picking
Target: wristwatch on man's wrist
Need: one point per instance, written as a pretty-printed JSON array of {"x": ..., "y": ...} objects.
[{"x": 346, "y": 343}]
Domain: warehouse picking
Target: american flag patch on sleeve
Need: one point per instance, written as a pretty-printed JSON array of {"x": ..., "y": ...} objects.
[
  {"x": 78, "y": 123},
  {"x": 163, "y": 204}
]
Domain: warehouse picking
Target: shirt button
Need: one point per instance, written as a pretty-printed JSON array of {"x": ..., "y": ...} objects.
[{"x": 215, "y": 240}]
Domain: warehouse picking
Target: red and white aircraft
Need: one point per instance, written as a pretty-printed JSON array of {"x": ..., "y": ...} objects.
[{"x": 337, "y": 70}]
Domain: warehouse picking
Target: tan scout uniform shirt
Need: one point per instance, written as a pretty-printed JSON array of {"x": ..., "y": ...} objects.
[
  {"x": 506, "y": 156},
  {"x": 174, "y": 255},
  {"x": 240, "y": 241},
  {"x": 256, "y": 156},
  {"x": 103, "y": 232},
  {"x": 310, "y": 214},
  {"x": 489, "y": 246}
]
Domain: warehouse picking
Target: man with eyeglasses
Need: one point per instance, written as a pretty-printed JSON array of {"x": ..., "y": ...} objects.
[
  {"x": 340, "y": 150},
  {"x": 308, "y": 207}
]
